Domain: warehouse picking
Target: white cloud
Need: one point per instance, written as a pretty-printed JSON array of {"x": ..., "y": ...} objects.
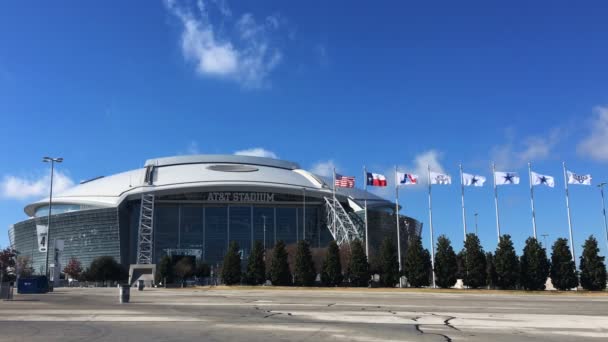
[
  {"x": 532, "y": 148},
  {"x": 324, "y": 168},
  {"x": 20, "y": 188},
  {"x": 243, "y": 51},
  {"x": 257, "y": 152},
  {"x": 595, "y": 145}
]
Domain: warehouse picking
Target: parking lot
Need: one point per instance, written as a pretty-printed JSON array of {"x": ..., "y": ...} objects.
[{"x": 270, "y": 314}]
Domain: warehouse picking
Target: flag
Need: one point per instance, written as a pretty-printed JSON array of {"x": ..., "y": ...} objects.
[
  {"x": 573, "y": 178},
  {"x": 345, "y": 181},
  {"x": 505, "y": 178},
  {"x": 472, "y": 180},
  {"x": 375, "y": 179},
  {"x": 538, "y": 179},
  {"x": 440, "y": 178},
  {"x": 406, "y": 179}
]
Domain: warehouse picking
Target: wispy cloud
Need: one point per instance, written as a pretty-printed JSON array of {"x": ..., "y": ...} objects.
[
  {"x": 20, "y": 188},
  {"x": 519, "y": 151},
  {"x": 257, "y": 152},
  {"x": 241, "y": 50},
  {"x": 324, "y": 168},
  {"x": 595, "y": 145}
]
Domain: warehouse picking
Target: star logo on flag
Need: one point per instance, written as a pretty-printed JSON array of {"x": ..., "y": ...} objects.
[
  {"x": 508, "y": 178},
  {"x": 474, "y": 180},
  {"x": 543, "y": 180}
]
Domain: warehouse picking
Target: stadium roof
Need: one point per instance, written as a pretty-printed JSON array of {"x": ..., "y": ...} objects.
[{"x": 203, "y": 173}]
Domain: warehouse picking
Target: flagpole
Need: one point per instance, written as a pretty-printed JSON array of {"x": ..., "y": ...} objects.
[
  {"x": 532, "y": 199},
  {"x": 365, "y": 201},
  {"x": 569, "y": 217},
  {"x": 464, "y": 217},
  {"x": 334, "y": 204},
  {"x": 496, "y": 201},
  {"x": 398, "y": 228},
  {"x": 431, "y": 226}
]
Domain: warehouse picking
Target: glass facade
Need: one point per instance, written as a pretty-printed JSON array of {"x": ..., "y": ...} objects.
[{"x": 207, "y": 230}]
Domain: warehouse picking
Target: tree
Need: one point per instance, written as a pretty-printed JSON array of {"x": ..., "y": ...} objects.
[
  {"x": 446, "y": 265},
  {"x": 490, "y": 270},
  {"x": 474, "y": 262},
  {"x": 231, "y": 268},
  {"x": 279, "y": 267},
  {"x": 331, "y": 275},
  {"x": 23, "y": 266},
  {"x": 506, "y": 263},
  {"x": 73, "y": 269},
  {"x": 165, "y": 270},
  {"x": 304, "y": 274},
  {"x": 563, "y": 271},
  {"x": 593, "y": 269},
  {"x": 358, "y": 269},
  {"x": 183, "y": 269},
  {"x": 416, "y": 266},
  {"x": 389, "y": 263},
  {"x": 105, "y": 268},
  {"x": 535, "y": 266},
  {"x": 256, "y": 267},
  {"x": 202, "y": 270},
  {"x": 7, "y": 261}
]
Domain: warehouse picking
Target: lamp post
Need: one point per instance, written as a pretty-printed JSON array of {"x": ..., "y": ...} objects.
[
  {"x": 544, "y": 239},
  {"x": 48, "y": 226},
  {"x": 601, "y": 186}
]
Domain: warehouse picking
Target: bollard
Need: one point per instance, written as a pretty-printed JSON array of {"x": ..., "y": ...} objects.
[
  {"x": 140, "y": 285},
  {"x": 125, "y": 293}
]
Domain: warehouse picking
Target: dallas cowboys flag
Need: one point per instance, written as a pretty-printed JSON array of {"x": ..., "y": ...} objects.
[
  {"x": 538, "y": 179},
  {"x": 440, "y": 178},
  {"x": 406, "y": 178},
  {"x": 573, "y": 178},
  {"x": 505, "y": 178},
  {"x": 472, "y": 180}
]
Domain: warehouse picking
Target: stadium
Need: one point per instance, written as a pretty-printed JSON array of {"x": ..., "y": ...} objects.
[{"x": 195, "y": 205}]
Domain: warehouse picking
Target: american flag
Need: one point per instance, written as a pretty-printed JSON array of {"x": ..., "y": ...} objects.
[{"x": 345, "y": 181}]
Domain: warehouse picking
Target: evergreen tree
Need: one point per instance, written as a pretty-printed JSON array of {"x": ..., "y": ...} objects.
[
  {"x": 256, "y": 267},
  {"x": 506, "y": 263},
  {"x": 165, "y": 270},
  {"x": 415, "y": 266},
  {"x": 534, "y": 266},
  {"x": 460, "y": 263},
  {"x": 490, "y": 270},
  {"x": 593, "y": 269},
  {"x": 231, "y": 267},
  {"x": 428, "y": 267},
  {"x": 563, "y": 271},
  {"x": 304, "y": 274},
  {"x": 183, "y": 269},
  {"x": 279, "y": 267},
  {"x": 474, "y": 262},
  {"x": 389, "y": 263},
  {"x": 105, "y": 268},
  {"x": 331, "y": 275},
  {"x": 202, "y": 270},
  {"x": 358, "y": 269},
  {"x": 446, "y": 265}
]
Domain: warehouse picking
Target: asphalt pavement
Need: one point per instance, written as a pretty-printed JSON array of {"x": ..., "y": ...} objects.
[{"x": 253, "y": 314}]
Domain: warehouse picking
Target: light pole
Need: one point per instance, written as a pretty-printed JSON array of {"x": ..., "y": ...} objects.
[
  {"x": 48, "y": 226},
  {"x": 601, "y": 186},
  {"x": 544, "y": 239},
  {"x": 476, "y": 214}
]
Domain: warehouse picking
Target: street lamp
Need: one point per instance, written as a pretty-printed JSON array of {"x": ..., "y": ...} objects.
[
  {"x": 48, "y": 226},
  {"x": 601, "y": 186}
]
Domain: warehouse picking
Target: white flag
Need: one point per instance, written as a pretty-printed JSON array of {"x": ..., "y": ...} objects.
[
  {"x": 472, "y": 180},
  {"x": 504, "y": 178},
  {"x": 440, "y": 178},
  {"x": 406, "y": 178},
  {"x": 573, "y": 178},
  {"x": 538, "y": 179}
]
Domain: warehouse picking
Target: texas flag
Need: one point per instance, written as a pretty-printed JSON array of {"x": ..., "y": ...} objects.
[
  {"x": 406, "y": 179},
  {"x": 375, "y": 179}
]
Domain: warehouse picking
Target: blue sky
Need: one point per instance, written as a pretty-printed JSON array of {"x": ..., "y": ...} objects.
[{"x": 110, "y": 84}]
